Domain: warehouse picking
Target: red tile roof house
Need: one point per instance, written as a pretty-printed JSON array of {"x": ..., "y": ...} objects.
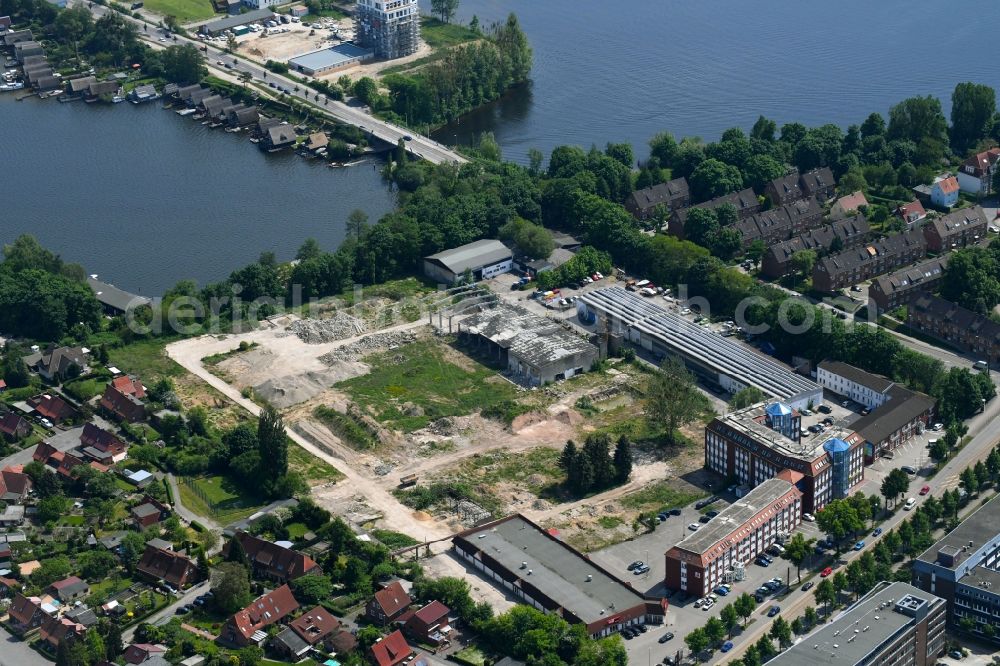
[
  {"x": 315, "y": 625},
  {"x": 25, "y": 612},
  {"x": 14, "y": 484},
  {"x": 391, "y": 650},
  {"x": 269, "y": 560},
  {"x": 912, "y": 212},
  {"x": 123, "y": 406},
  {"x": 976, "y": 174},
  {"x": 69, "y": 589},
  {"x": 14, "y": 426},
  {"x": 100, "y": 445},
  {"x": 55, "y": 630},
  {"x": 8, "y": 586},
  {"x": 129, "y": 386},
  {"x": 52, "y": 407},
  {"x": 174, "y": 568},
  {"x": 388, "y": 604},
  {"x": 246, "y": 627},
  {"x": 429, "y": 624},
  {"x": 136, "y": 653}
]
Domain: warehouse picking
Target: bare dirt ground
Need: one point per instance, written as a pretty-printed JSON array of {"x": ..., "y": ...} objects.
[
  {"x": 373, "y": 69},
  {"x": 281, "y": 47}
]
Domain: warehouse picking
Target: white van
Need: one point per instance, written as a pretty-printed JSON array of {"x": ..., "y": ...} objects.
[
  {"x": 981, "y": 366},
  {"x": 910, "y": 503}
]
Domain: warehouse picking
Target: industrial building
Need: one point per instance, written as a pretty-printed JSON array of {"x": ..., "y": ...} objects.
[
  {"x": 716, "y": 552},
  {"x": 756, "y": 443},
  {"x": 218, "y": 27},
  {"x": 896, "y": 414},
  {"x": 534, "y": 349},
  {"x": 482, "y": 259},
  {"x": 391, "y": 28},
  {"x": 324, "y": 61},
  {"x": 962, "y": 568},
  {"x": 720, "y": 361},
  {"x": 539, "y": 570},
  {"x": 894, "y": 624}
]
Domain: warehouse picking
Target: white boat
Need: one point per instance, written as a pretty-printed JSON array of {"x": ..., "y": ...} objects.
[
  {"x": 185, "y": 112},
  {"x": 117, "y": 99}
]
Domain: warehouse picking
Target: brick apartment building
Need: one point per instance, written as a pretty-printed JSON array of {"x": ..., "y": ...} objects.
[
  {"x": 901, "y": 287},
  {"x": 865, "y": 262},
  {"x": 969, "y": 331},
  {"x": 957, "y": 229},
  {"x": 673, "y": 195},
  {"x": 851, "y": 232}
]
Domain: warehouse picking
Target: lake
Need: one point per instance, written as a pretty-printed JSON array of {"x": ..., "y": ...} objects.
[
  {"x": 145, "y": 198},
  {"x": 625, "y": 70}
]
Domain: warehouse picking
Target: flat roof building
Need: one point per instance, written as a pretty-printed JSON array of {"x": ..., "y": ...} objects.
[
  {"x": 895, "y": 623},
  {"x": 719, "y": 360},
  {"x": 541, "y": 571},
  {"x": 230, "y": 22},
  {"x": 316, "y": 63},
  {"x": 732, "y": 539},
  {"x": 484, "y": 259},
  {"x": 756, "y": 443},
  {"x": 534, "y": 349}
]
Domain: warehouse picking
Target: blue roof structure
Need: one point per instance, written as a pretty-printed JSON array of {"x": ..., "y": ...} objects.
[
  {"x": 836, "y": 445},
  {"x": 778, "y": 409}
]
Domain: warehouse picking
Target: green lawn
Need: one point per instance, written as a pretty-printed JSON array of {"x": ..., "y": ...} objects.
[
  {"x": 71, "y": 521},
  {"x": 419, "y": 374},
  {"x": 394, "y": 540},
  {"x": 313, "y": 469},
  {"x": 296, "y": 530},
  {"x": 443, "y": 35},
  {"x": 219, "y": 498},
  {"x": 661, "y": 497},
  {"x": 145, "y": 358},
  {"x": 184, "y": 11}
]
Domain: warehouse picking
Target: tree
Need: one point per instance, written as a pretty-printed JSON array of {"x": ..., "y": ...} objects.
[
  {"x": 366, "y": 90},
  {"x": 621, "y": 152},
  {"x": 697, "y": 641},
  {"x": 445, "y": 9},
  {"x": 798, "y": 549},
  {"x": 973, "y": 106},
  {"x": 357, "y": 221},
  {"x": 96, "y": 564},
  {"x": 802, "y": 262},
  {"x": 756, "y": 251},
  {"x": 894, "y": 485},
  {"x": 531, "y": 239},
  {"x": 273, "y": 443},
  {"x": 840, "y": 583},
  {"x": 781, "y": 632},
  {"x": 751, "y": 656},
  {"x": 672, "y": 399},
  {"x": 715, "y": 630},
  {"x": 745, "y": 606},
  {"x": 72, "y": 653},
  {"x": 826, "y": 594},
  {"x": 714, "y": 178},
  {"x": 730, "y": 618},
  {"x": 969, "y": 480},
  {"x": 231, "y": 587},
  {"x": 809, "y": 615},
  {"x": 622, "y": 460},
  {"x": 312, "y": 589},
  {"x": 743, "y": 398},
  {"x": 183, "y": 64},
  {"x": 52, "y": 508},
  {"x": 920, "y": 120},
  {"x": 766, "y": 648},
  {"x": 236, "y": 553},
  {"x": 838, "y": 519}
]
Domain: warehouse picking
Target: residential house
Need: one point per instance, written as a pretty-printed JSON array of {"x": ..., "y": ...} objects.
[
  {"x": 12, "y": 516},
  {"x": 388, "y": 604},
  {"x": 969, "y": 331},
  {"x": 818, "y": 184},
  {"x": 14, "y": 484},
  {"x": 306, "y": 631},
  {"x": 850, "y": 267},
  {"x": 912, "y": 212},
  {"x": 82, "y": 614},
  {"x": 52, "y": 407},
  {"x": 9, "y": 586},
  {"x": 100, "y": 445},
  {"x": 888, "y": 292},
  {"x": 956, "y": 229},
  {"x": 848, "y": 233},
  {"x": 56, "y": 363},
  {"x": 215, "y": 110},
  {"x": 784, "y": 190},
  {"x": 849, "y": 205},
  {"x": 429, "y": 624},
  {"x": 54, "y": 630},
  {"x": 243, "y": 117},
  {"x": 159, "y": 564},
  {"x": 269, "y": 560},
  {"x": 137, "y": 653},
  {"x": 247, "y": 626},
  {"x": 975, "y": 176},
  {"x": 778, "y": 224},
  {"x": 745, "y": 202},
  {"x": 69, "y": 589},
  {"x": 78, "y": 87},
  {"x": 944, "y": 192},
  {"x": 14, "y": 427},
  {"x": 278, "y": 137},
  {"x": 115, "y": 301},
  {"x": 5, "y": 556},
  {"x": 122, "y": 406},
  {"x": 391, "y": 650},
  {"x": 672, "y": 195},
  {"x": 290, "y": 645},
  {"x": 129, "y": 385},
  {"x": 143, "y": 93},
  {"x": 102, "y": 90},
  {"x": 341, "y": 642},
  {"x": 25, "y": 612},
  {"x": 146, "y": 515},
  {"x": 317, "y": 141}
]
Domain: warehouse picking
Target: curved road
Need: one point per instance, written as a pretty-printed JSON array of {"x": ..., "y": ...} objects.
[{"x": 418, "y": 145}]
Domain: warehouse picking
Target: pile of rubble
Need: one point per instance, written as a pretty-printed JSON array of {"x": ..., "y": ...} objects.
[
  {"x": 318, "y": 331},
  {"x": 368, "y": 345}
]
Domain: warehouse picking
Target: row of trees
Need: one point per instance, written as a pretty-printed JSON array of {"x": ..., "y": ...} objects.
[
  {"x": 593, "y": 467},
  {"x": 972, "y": 278}
]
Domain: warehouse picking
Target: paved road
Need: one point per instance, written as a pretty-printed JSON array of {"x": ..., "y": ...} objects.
[
  {"x": 186, "y": 513},
  {"x": 418, "y": 145},
  {"x": 15, "y": 652}
]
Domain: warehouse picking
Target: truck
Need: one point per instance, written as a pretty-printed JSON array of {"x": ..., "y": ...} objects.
[{"x": 408, "y": 480}]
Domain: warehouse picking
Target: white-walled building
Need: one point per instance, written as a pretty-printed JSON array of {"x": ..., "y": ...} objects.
[
  {"x": 483, "y": 259},
  {"x": 862, "y": 387}
]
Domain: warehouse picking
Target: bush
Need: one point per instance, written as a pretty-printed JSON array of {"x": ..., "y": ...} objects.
[{"x": 276, "y": 67}]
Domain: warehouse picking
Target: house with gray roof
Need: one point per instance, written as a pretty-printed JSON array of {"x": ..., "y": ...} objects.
[{"x": 484, "y": 259}]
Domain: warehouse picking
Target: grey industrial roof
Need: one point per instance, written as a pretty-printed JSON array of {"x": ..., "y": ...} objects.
[
  {"x": 331, "y": 57},
  {"x": 472, "y": 256},
  {"x": 876, "y": 625},
  {"x": 735, "y": 516},
  {"x": 810, "y": 451},
  {"x": 113, "y": 297},
  {"x": 238, "y": 20},
  {"x": 902, "y": 407},
  {"x": 536, "y": 340},
  {"x": 722, "y": 354},
  {"x": 557, "y": 571},
  {"x": 982, "y": 526}
]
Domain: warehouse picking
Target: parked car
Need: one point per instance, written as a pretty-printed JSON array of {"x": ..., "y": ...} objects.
[
  {"x": 662, "y": 516},
  {"x": 909, "y": 470},
  {"x": 956, "y": 654},
  {"x": 877, "y": 532},
  {"x": 712, "y": 514},
  {"x": 641, "y": 570},
  {"x": 694, "y": 527},
  {"x": 773, "y": 610},
  {"x": 699, "y": 602},
  {"x": 635, "y": 565},
  {"x": 807, "y": 586},
  {"x": 763, "y": 561},
  {"x": 859, "y": 545},
  {"x": 704, "y": 519},
  {"x": 808, "y": 517},
  {"x": 824, "y": 409},
  {"x": 708, "y": 604},
  {"x": 666, "y": 637},
  {"x": 925, "y": 490},
  {"x": 826, "y": 572},
  {"x": 722, "y": 590},
  {"x": 702, "y": 503},
  {"x": 727, "y": 646},
  {"x": 674, "y": 512},
  {"x": 910, "y": 503}
]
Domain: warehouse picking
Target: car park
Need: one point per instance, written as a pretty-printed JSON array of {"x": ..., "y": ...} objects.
[
  {"x": 666, "y": 637},
  {"x": 826, "y": 572}
]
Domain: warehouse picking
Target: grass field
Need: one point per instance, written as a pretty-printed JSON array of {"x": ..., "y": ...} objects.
[
  {"x": 420, "y": 374},
  {"x": 440, "y": 35},
  {"x": 314, "y": 470},
  {"x": 184, "y": 11},
  {"x": 218, "y": 498},
  {"x": 661, "y": 497},
  {"x": 536, "y": 470},
  {"x": 146, "y": 358}
]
